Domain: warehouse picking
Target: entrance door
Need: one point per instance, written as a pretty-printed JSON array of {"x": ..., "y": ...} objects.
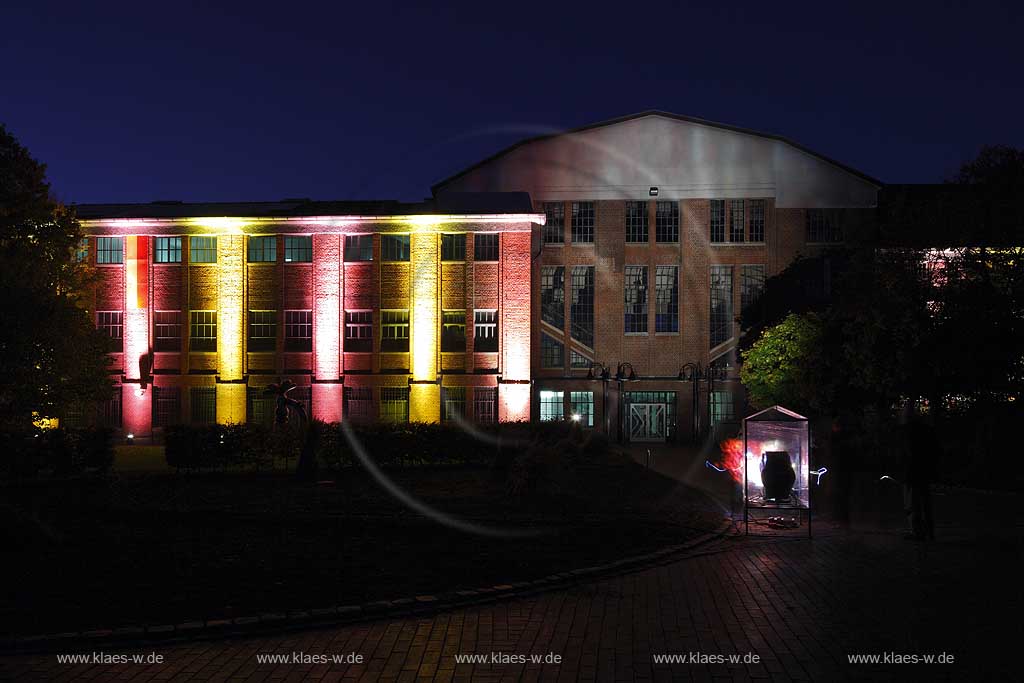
[{"x": 647, "y": 422}]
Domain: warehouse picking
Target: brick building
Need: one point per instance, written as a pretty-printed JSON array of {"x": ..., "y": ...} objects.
[
  {"x": 659, "y": 229},
  {"x": 377, "y": 310},
  {"x": 595, "y": 274}
]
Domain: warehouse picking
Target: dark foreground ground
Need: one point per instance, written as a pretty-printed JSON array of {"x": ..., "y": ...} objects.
[
  {"x": 153, "y": 548},
  {"x": 803, "y": 607}
]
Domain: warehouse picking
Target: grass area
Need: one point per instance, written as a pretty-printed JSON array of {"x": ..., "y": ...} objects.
[
  {"x": 161, "y": 547},
  {"x": 140, "y": 459}
]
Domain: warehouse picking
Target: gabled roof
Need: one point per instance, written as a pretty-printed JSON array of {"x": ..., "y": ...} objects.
[
  {"x": 663, "y": 114},
  {"x": 776, "y": 414}
]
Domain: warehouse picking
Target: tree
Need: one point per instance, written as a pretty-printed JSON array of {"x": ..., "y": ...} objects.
[
  {"x": 51, "y": 355},
  {"x": 784, "y": 365}
]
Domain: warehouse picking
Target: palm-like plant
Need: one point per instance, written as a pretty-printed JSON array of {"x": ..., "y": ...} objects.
[{"x": 286, "y": 405}]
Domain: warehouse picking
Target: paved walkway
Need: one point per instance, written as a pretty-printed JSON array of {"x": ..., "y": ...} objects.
[{"x": 801, "y": 606}]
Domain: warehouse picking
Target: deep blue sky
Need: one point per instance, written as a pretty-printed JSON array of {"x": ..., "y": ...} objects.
[{"x": 145, "y": 100}]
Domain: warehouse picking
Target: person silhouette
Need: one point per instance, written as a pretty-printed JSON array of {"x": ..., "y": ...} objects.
[{"x": 922, "y": 451}]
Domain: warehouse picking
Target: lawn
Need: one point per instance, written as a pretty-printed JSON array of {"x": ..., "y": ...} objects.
[{"x": 155, "y": 547}]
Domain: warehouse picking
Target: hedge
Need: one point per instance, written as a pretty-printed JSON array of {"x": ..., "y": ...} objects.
[
  {"x": 58, "y": 452},
  {"x": 387, "y": 445}
]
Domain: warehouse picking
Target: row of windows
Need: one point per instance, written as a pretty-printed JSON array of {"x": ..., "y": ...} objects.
[
  {"x": 636, "y": 295},
  {"x": 743, "y": 226},
  {"x": 298, "y": 249},
  {"x": 298, "y": 330},
  {"x": 357, "y": 404},
  {"x": 581, "y": 406}
]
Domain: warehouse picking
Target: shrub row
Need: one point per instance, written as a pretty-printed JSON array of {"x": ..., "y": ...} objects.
[
  {"x": 386, "y": 445},
  {"x": 58, "y": 452}
]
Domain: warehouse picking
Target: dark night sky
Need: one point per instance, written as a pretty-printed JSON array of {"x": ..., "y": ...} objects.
[{"x": 147, "y": 100}]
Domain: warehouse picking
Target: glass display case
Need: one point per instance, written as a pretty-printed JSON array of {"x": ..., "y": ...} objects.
[{"x": 777, "y": 446}]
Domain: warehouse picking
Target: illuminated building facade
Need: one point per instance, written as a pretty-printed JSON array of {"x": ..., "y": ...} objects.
[
  {"x": 377, "y": 310},
  {"x": 660, "y": 228},
  {"x": 595, "y": 275}
]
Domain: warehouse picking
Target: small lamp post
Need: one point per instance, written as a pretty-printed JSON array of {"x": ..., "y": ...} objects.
[{"x": 603, "y": 373}]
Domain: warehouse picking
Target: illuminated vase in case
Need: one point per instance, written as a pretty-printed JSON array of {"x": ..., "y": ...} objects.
[{"x": 777, "y": 475}]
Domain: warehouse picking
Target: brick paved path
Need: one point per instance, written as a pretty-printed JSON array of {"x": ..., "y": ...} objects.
[{"x": 800, "y": 605}]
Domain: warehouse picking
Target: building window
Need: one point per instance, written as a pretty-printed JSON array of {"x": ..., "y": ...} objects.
[
  {"x": 109, "y": 411},
  {"x": 167, "y": 331},
  {"x": 259, "y": 409},
  {"x": 552, "y": 295},
  {"x": 635, "y": 291},
  {"x": 109, "y": 250},
  {"x": 485, "y": 246},
  {"x": 757, "y": 220},
  {"x": 583, "y": 222},
  {"x": 551, "y": 405},
  {"x": 722, "y": 409},
  {"x": 82, "y": 250},
  {"x": 666, "y": 222},
  {"x": 111, "y": 323},
  {"x": 358, "y": 247},
  {"x": 636, "y": 222},
  {"x": 453, "y": 331},
  {"x": 578, "y": 360},
  {"x": 298, "y": 249},
  {"x": 485, "y": 331},
  {"x": 717, "y": 221},
  {"x": 357, "y": 404},
  {"x": 358, "y": 331},
  {"x": 168, "y": 249},
  {"x": 453, "y": 247},
  {"x": 666, "y": 299},
  {"x": 262, "y": 330},
  {"x": 394, "y": 404},
  {"x": 202, "y": 249},
  {"x": 485, "y": 404},
  {"x": 582, "y": 406},
  {"x": 751, "y": 285},
  {"x": 823, "y": 226},
  {"x": 298, "y": 330},
  {"x": 554, "y": 225},
  {"x": 453, "y": 403},
  {"x": 203, "y": 405},
  {"x": 394, "y": 247},
  {"x": 203, "y": 331},
  {"x": 394, "y": 331},
  {"x": 263, "y": 249},
  {"x": 552, "y": 352},
  {"x": 166, "y": 406},
  {"x": 737, "y": 225},
  {"x": 721, "y": 305},
  {"x": 581, "y": 309}
]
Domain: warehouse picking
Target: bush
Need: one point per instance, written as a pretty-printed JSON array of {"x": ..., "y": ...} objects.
[
  {"x": 416, "y": 444},
  {"x": 58, "y": 452}
]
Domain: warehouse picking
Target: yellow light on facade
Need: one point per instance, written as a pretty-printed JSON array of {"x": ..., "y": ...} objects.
[
  {"x": 219, "y": 224},
  {"x": 230, "y": 304},
  {"x": 424, "y": 296}
]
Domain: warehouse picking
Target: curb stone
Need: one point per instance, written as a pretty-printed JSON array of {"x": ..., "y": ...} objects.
[{"x": 342, "y": 615}]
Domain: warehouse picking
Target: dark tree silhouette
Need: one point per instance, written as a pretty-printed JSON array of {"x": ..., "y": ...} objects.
[{"x": 51, "y": 356}]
